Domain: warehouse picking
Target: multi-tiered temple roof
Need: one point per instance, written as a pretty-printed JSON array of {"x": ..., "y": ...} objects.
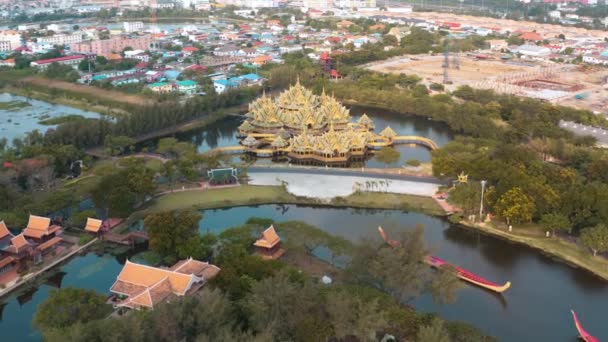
[{"x": 295, "y": 109}]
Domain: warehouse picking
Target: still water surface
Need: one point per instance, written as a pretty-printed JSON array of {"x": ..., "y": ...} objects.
[
  {"x": 223, "y": 133},
  {"x": 15, "y": 123},
  {"x": 536, "y": 308}
]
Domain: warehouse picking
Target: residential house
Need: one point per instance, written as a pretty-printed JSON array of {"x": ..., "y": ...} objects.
[
  {"x": 228, "y": 50},
  {"x": 161, "y": 87},
  {"x": 187, "y": 87},
  {"x": 498, "y": 44},
  {"x": 344, "y": 24},
  {"x": 67, "y": 60},
  {"x": 221, "y": 86}
]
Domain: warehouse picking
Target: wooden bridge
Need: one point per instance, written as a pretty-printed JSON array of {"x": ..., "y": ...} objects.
[{"x": 405, "y": 139}]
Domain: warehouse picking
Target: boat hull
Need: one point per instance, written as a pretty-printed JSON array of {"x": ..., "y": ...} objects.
[
  {"x": 461, "y": 273},
  {"x": 585, "y": 336}
]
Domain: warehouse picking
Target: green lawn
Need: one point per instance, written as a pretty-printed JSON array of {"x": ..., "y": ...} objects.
[
  {"x": 565, "y": 250},
  {"x": 254, "y": 194}
]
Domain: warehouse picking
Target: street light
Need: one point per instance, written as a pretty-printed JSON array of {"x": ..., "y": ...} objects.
[{"x": 483, "y": 185}]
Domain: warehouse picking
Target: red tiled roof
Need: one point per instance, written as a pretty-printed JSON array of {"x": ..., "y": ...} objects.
[
  {"x": 48, "y": 244},
  {"x": 268, "y": 239},
  {"x": 5, "y": 261},
  {"x": 19, "y": 241},
  {"x": 59, "y": 59},
  {"x": 4, "y": 232}
]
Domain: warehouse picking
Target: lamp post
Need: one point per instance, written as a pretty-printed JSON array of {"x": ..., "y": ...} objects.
[{"x": 483, "y": 186}]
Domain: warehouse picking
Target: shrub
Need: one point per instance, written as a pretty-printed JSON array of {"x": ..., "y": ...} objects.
[{"x": 413, "y": 162}]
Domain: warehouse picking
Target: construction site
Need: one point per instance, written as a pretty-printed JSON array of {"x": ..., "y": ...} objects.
[{"x": 567, "y": 84}]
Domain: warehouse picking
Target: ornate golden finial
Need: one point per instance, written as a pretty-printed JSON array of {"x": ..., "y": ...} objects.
[
  {"x": 298, "y": 79},
  {"x": 463, "y": 178}
]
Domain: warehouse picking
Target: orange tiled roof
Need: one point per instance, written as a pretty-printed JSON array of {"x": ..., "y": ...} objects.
[
  {"x": 198, "y": 268},
  {"x": 145, "y": 285},
  {"x": 48, "y": 244},
  {"x": 147, "y": 276},
  {"x": 38, "y": 223},
  {"x": 19, "y": 242},
  {"x": 5, "y": 261},
  {"x": 269, "y": 238},
  {"x": 93, "y": 225},
  {"x": 4, "y": 232}
]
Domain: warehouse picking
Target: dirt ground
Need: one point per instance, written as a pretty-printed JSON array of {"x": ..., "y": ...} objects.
[
  {"x": 93, "y": 91},
  {"x": 430, "y": 68}
]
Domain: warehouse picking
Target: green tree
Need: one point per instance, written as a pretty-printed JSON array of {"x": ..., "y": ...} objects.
[
  {"x": 68, "y": 306},
  {"x": 555, "y": 222},
  {"x": 174, "y": 234},
  {"x": 120, "y": 192},
  {"x": 281, "y": 317},
  {"x": 435, "y": 332},
  {"x": 515, "y": 206},
  {"x": 350, "y": 315},
  {"x": 596, "y": 238}
]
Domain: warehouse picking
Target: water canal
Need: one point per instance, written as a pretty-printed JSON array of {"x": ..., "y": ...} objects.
[
  {"x": 536, "y": 308},
  {"x": 223, "y": 133}
]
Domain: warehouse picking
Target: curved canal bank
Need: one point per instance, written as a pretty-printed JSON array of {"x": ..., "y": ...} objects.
[
  {"x": 535, "y": 308},
  {"x": 558, "y": 248}
]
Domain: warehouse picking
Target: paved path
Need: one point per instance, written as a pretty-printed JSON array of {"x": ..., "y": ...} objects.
[
  {"x": 600, "y": 134},
  {"x": 327, "y": 186},
  {"x": 392, "y": 174}
]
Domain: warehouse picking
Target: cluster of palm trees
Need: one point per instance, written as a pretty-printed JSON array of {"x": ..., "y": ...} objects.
[{"x": 371, "y": 185}]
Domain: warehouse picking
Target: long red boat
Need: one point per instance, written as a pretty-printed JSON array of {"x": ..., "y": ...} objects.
[
  {"x": 585, "y": 336},
  {"x": 460, "y": 272}
]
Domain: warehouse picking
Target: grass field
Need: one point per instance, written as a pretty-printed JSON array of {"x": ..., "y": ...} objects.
[{"x": 253, "y": 195}]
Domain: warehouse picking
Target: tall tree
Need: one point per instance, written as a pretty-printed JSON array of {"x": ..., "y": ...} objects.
[
  {"x": 68, "y": 306},
  {"x": 515, "y": 206},
  {"x": 596, "y": 238},
  {"x": 555, "y": 222},
  {"x": 173, "y": 233}
]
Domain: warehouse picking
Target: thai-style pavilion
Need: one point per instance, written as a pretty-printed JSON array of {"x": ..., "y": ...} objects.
[
  {"x": 93, "y": 225},
  {"x": 268, "y": 246},
  {"x": 45, "y": 235},
  {"x": 309, "y": 128},
  {"x": 139, "y": 286},
  {"x": 294, "y": 110}
]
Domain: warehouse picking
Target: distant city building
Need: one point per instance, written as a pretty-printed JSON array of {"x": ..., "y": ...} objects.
[
  {"x": 61, "y": 39},
  {"x": 133, "y": 26},
  {"x": 107, "y": 46},
  {"x": 26, "y": 27},
  {"x": 533, "y": 50},
  {"x": 67, "y": 60},
  {"x": 355, "y": 3}
]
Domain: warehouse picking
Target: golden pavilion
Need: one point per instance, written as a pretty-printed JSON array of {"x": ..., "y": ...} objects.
[{"x": 308, "y": 128}]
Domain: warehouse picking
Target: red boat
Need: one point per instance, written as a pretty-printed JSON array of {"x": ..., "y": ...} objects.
[
  {"x": 585, "y": 336},
  {"x": 461, "y": 273}
]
